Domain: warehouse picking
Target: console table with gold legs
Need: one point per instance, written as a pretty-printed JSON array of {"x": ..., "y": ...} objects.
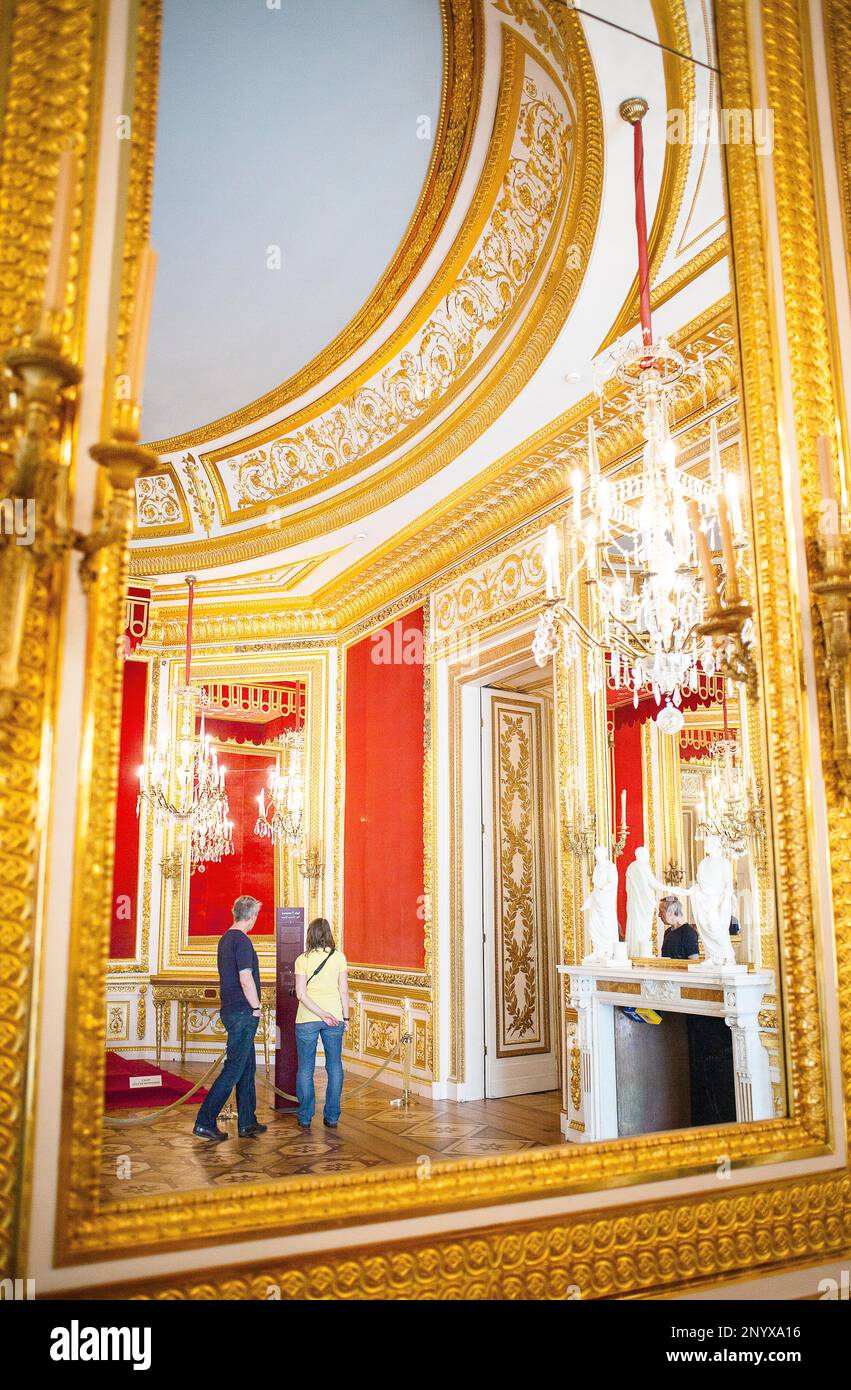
[{"x": 201, "y": 993}]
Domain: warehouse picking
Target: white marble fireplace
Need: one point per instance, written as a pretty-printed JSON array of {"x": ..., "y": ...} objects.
[{"x": 594, "y": 991}]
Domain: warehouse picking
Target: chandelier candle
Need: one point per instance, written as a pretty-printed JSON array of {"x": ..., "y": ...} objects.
[
  {"x": 137, "y": 341},
  {"x": 182, "y": 781},
  {"x": 56, "y": 284},
  {"x": 707, "y": 568},
  {"x": 551, "y": 562},
  {"x": 732, "y": 590}
]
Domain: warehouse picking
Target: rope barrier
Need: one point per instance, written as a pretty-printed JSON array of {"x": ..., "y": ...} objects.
[
  {"x": 148, "y": 1118},
  {"x": 364, "y": 1086}
]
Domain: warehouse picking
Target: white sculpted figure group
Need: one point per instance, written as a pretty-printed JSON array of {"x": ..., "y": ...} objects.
[
  {"x": 642, "y": 896},
  {"x": 712, "y": 900},
  {"x": 602, "y": 907},
  {"x": 712, "y": 897}
]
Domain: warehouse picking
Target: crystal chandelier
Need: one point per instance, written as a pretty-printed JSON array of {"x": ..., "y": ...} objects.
[
  {"x": 181, "y": 779},
  {"x": 281, "y": 815},
  {"x": 656, "y": 614},
  {"x": 729, "y": 808}
]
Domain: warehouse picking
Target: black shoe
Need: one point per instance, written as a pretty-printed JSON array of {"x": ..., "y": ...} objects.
[
  {"x": 305, "y": 1128},
  {"x": 254, "y": 1131},
  {"x": 217, "y": 1135},
  {"x": 330, "y": 1124}
]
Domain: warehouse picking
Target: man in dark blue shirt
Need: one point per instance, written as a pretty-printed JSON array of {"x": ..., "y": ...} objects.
[{"x": 239, "y": 997}]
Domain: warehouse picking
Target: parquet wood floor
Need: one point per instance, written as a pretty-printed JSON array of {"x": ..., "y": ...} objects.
[{"x": 166, "y": 1157}]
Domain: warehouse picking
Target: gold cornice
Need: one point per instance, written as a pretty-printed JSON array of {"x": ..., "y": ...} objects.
[
  {"x": 257, "y": 583},
  {"x": 490, "y": 398},
  {"x": 463, "y": 61},
  {"x": 672, "y": 28},
  {"x": 524, "y": 481}
]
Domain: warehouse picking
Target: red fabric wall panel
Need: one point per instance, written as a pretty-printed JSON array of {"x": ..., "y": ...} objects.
[
  {"x": 125, "y": 877},
  {"x": 251, "y": 867},
  {"x": 627, "y": 757},
  {"x": 383, "y": 865}
]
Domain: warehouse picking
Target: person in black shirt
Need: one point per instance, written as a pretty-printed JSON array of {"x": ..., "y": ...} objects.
[
  {"x": 680, "y": 940},
  {"x": 239, "y": 998},
  {"x": 710, "y": 1045}
]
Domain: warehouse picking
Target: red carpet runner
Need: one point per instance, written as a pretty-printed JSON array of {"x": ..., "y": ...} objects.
[{"x": 143, "y": 1085}]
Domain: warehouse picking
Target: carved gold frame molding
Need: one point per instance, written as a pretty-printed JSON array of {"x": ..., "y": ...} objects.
[
  {"x": 678, "y": 1242},
  {"x": 44, "y": 52}
]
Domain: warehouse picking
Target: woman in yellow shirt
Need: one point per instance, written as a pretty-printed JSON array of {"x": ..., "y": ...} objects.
[{"x": 322, "y": 988}]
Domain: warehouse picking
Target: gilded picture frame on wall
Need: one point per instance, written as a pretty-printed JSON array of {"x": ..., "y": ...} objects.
[{"x": 785, "y": 1194}]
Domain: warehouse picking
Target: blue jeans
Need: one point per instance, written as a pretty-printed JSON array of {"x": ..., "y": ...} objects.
[
  {"x": 238, "y": 1071},
  {"x": 307, "y": 1036}
]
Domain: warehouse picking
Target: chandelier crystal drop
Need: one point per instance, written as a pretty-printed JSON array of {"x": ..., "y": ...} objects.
[
  {"x": 281, "y": 813},
  {"x": 181, "y": 779}
]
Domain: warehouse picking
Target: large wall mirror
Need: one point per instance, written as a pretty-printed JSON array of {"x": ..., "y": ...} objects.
[{"x": 489, "y": 655}]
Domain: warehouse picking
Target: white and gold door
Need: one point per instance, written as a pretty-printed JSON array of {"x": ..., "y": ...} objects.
[{"x": 518, "y": 937}]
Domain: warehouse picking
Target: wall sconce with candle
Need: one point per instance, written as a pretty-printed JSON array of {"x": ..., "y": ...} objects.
[
  {"x": 43, "y": 374},
  {"x": 833, "y": 600}
]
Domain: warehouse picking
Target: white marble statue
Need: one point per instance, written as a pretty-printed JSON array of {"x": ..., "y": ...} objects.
[
  {"x": 602, "y": 907},
  {"x": 712, "y": 901},
  {"x": 642, "y": 896}
]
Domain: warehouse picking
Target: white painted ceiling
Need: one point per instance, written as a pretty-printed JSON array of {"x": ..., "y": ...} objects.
[
  {"x": 625, "y": 64},
  {"x": 287, "y": 167}
]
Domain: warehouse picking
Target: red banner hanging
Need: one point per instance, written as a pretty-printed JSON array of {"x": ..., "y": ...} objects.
[{"x": 138, "y": 611}]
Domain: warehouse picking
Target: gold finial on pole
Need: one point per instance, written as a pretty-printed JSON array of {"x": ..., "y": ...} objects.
[{"x": 633, "y": 109}]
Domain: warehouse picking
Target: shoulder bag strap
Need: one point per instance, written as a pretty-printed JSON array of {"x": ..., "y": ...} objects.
[{"x": 321, "y": 966}]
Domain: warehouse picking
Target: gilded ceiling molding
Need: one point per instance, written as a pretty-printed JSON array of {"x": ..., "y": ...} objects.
[
  {"x": 463, "y": 61},
  {"x": 530, "y": 477},
  {"x": 49, "y": 47},
  {"x": 407, "y": 380},
  {"x": 711, "y": 254},
  {"x": 269, "y": 583},
  {"x": 161, "y": 507},
  {"x": 672, "y": 28},
  {"x": 521, "y": 483},
  {"x": 557, "y": 293},
  {"x": 529, "y": 181}
]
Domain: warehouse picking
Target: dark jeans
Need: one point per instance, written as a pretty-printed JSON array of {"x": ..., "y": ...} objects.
[
  {"x": 238, "y": 1071},
  {"x": 307, "y": 1036}
]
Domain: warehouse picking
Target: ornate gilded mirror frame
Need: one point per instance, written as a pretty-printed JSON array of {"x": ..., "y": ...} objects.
[{"x": 705, "y": 1230}]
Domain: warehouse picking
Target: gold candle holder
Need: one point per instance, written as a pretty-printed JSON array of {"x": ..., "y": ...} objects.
[
  {"x": 124, "y": 461},
  {"x": 725, "y": 627},
  {"x": 39, "y": 481},
  {"x": 833, "y": 599}
]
